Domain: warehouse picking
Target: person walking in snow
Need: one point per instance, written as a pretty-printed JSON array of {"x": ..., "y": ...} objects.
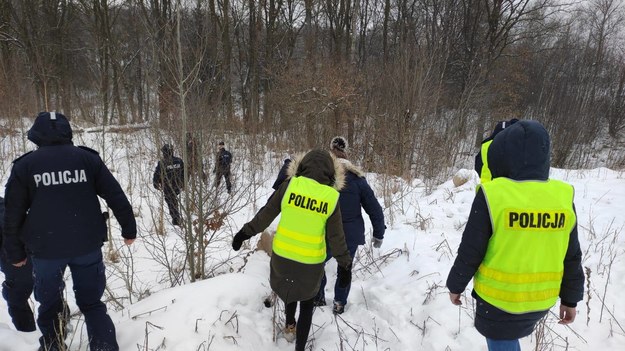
[
  {"x": 520, "y": 244},
  {"x": 310, "y": 218},
  {"x": 481, "y": 159},
  {"x": 17, "y": 287},
  {"x": 169, "y": 178},
  {"x": 354, "y": 196},
  {"x": 53, "y": 218},
  {"x": 222, "y": 167},
  {"x": 282, "y": 174},
  {"x": 196, "y": 166}
]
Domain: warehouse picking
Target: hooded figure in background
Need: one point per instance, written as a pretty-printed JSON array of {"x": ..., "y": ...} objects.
[
  {"x": 481, "y": 159},
  {"x": 196, "y": 166},
  {"x": 53, "y": 218},
  {"x": 282, "y": 174},
  {"x": 520, "y": 244},
  {"x": 169, "y": 178},
  {"x": 310, "y": 219}
]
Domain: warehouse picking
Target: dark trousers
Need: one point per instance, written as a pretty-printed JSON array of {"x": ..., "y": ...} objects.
[
  {"x": 340, "y": 295},
  {"x": 16, "y": 289},
  {"x": 88, "y": 276},
  {"x": 303, "y": 322},
  {"x": 226, "y": 175},
  {"x": 171, "y": 198}
]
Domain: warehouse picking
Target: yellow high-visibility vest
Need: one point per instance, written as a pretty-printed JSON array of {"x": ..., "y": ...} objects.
[
  {"x": 305, "y": 209},
  {"x": 523, "y": 266},
  {"x": 485, "y": 173}
]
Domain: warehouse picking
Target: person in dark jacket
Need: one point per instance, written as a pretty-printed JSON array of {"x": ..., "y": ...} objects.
[
  {"x": 169, "y": 178},
  {"x": 222, "y": 167},
  {"x": 17, "y": 287},
  {"x": 53, "y": 218},
  {"x": 282, "y": 174},
  {"x": 481, "y": 159},
  {"x": 308, "y": 204},
  {"x": 355, "y": 196},
  {"x": 520, "y": 265},
  {"x": 196, "y": 166}
]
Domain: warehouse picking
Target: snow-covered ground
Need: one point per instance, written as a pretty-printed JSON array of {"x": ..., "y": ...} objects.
[{"x": 398, "y": 299}]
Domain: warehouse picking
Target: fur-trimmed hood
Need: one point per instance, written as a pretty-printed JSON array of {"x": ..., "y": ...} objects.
[
  {"x": 319, "y": 165},
  {"x": 350, "y": 167}
]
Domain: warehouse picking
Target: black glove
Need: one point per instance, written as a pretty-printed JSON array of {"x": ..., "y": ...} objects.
[
  {"x": 238, "y": 240},
  {"x": 344, "y": 276}
]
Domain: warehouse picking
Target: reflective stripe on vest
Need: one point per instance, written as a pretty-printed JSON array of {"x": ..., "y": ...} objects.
[
  {"x": 523, "y": 266},
  {"x": 485, "y": 174},
  {"x": 305, "y": 209}
]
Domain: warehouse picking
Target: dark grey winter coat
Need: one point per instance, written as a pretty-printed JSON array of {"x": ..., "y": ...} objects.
[
  {"x": 295, "y": 281},
  {"x": 520, "y": 152}
]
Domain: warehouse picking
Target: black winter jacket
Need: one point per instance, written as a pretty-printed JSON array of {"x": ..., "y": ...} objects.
[
  {"x": 52, "y": 207},
  {"x": 1, "y": 223},
  {"x": 520, "y": 152},
  {"x": 282, "y": 174},
  {"x": 224, "y": 159},
  {"x": 169, "y": 174}
]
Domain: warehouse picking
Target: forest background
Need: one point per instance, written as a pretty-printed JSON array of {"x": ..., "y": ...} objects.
[{"x": 414, "y": 85}]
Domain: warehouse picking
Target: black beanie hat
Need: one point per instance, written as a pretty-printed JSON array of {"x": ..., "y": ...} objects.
[
  {"x": 167, "y": 150},
  {"x": 338, "y": 143}
]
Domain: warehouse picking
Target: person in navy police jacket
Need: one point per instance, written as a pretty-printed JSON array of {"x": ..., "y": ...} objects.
[
  {"x": 169, "y": 177},
  {"x": 53, "y": 217}
]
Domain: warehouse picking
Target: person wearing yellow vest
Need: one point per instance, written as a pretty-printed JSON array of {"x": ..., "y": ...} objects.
[
  {"x": 520, "y": 244},
  {"x": 310, "y": 219},
  {"x": 481, "y": 159}
]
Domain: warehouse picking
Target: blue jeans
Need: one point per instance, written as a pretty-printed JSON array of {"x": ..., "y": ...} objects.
[
  {"x": 503, "y": 345},
  {"x": 88, "y": 276},
  {"x": 340, "y": 295}
]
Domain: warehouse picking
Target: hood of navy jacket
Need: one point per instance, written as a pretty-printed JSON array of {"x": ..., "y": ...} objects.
[
  {"x": 521, "y": 152},
  {"x": 50, "y": 128}
]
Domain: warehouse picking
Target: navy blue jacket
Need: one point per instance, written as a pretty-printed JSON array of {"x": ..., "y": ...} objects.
[
  {"x": 52, "y": 207},
  {"x": 355, "y": 196},
  {"x": 282, "y": 175},
  {"x": 169, "y": 174},
  {"x": 224, "y": 159},
  {"x": 520, "y": 152},
  {"x": 1, "y": 222}
]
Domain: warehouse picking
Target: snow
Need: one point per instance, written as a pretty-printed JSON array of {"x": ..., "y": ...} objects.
[{"x": 398, "y": 300}]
